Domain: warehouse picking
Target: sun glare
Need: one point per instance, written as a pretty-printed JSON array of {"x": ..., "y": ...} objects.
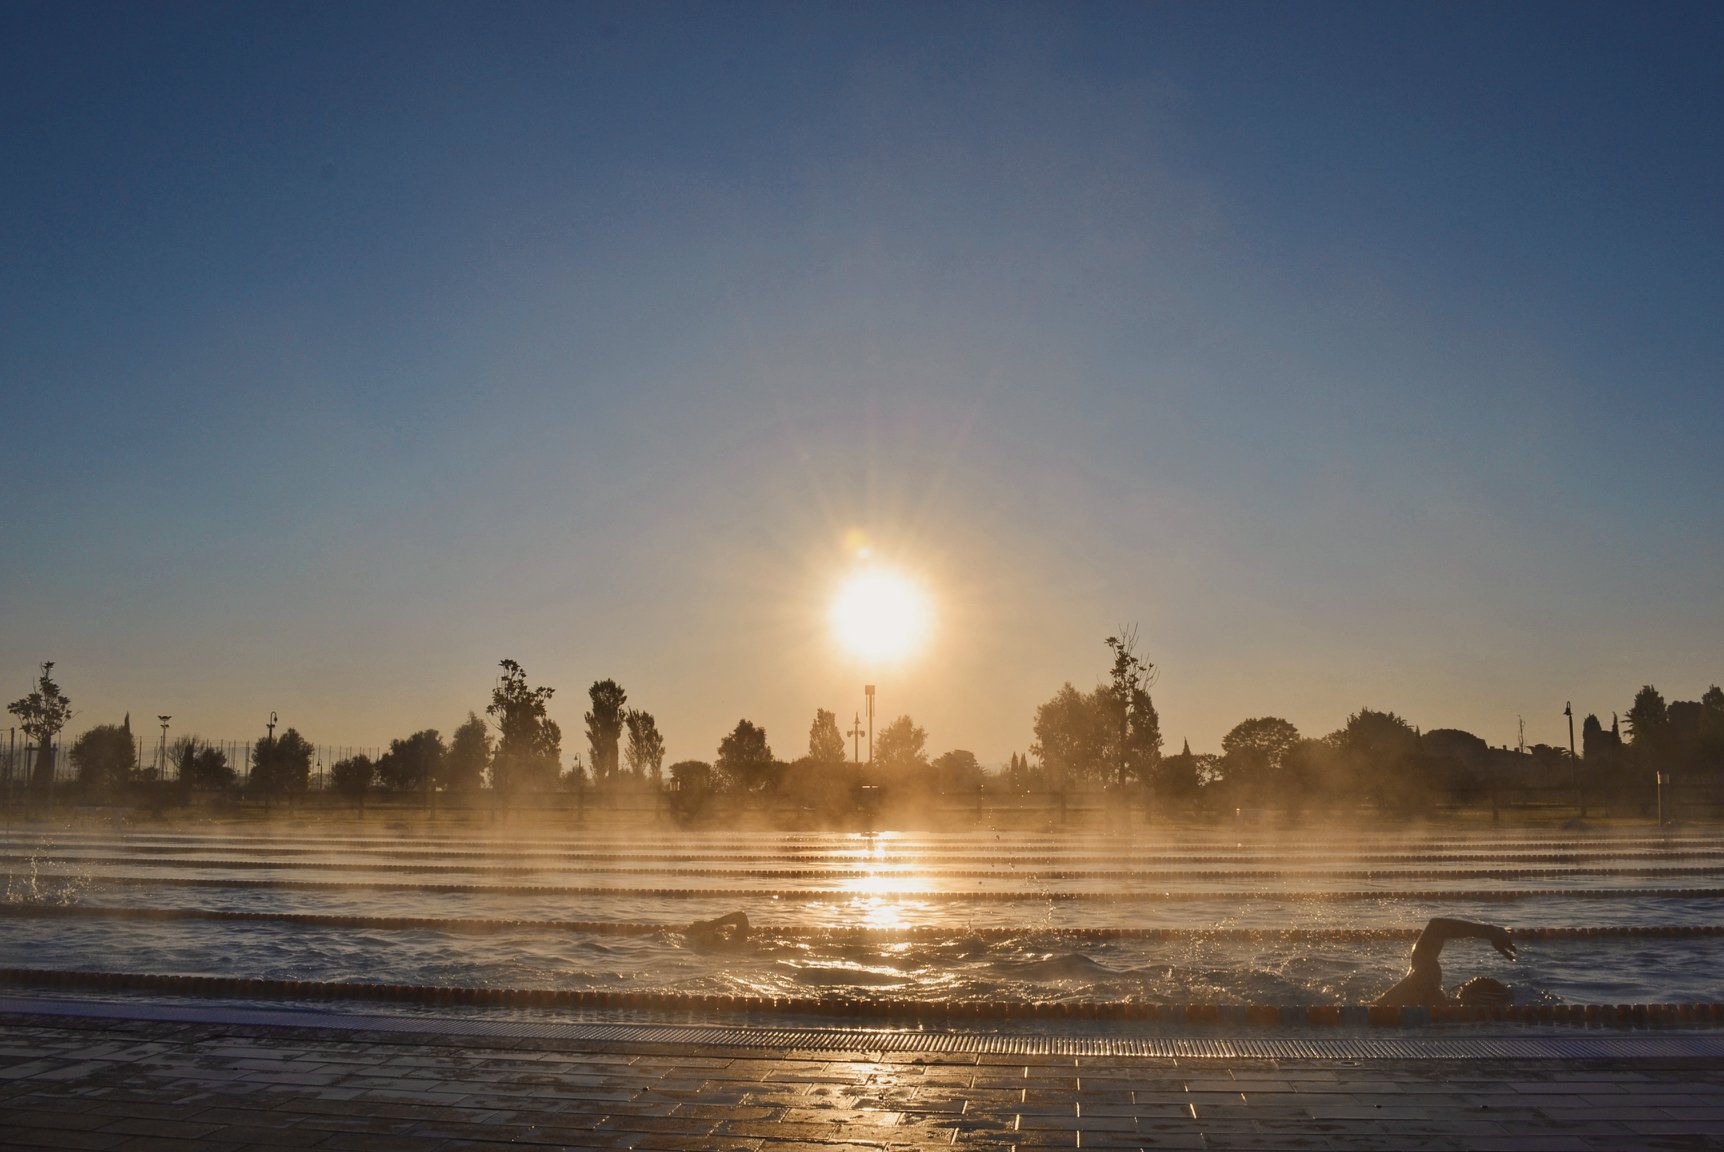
[{"x": 881, "y": 615}]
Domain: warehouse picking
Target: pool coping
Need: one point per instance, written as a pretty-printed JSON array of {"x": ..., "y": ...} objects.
[{"x": 1071, "y": 1041}]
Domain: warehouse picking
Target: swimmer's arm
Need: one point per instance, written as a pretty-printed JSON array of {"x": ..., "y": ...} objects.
[{"x": 1442, "y": 929}]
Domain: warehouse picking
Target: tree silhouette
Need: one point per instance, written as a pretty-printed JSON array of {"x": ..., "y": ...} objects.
[
  {"x": 825, "y": 742},
  {"x": 1648, "y": 717},
  {"x": 605, "y": 727},
  {"x": 529, "y": 744},
  {"x": 412, "y": 764},
  {"x": 42, "y": 714},
  {"x": 463, "y": 768},
  {"x": 104, "y": 757},
  {"x": 1377, "y": 748},
  {"x": 1255, "y": 755},
  {"x": 1177, "y": 779},
  {"x": 352, "y": 778},
  {"x": 958, "y": 771},
  {"x": 198, "y": 765},
  {"x": 745, "y": 758},
  {"x": 1074, "y": 734},
  {"x": 1136, "y": 728},
  {"x": 646, "y": 746},
  {"x": 282, "y": 765},
  {"x": 901, "y": 749}
]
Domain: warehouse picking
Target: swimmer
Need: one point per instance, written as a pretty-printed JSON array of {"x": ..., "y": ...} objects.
[
  {"x": 1422, "y": 986},
  {"x": 731, "y": 928}
]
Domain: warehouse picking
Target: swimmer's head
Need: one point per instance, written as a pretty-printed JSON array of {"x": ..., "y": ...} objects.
[{"x": 1483, "y": 992}]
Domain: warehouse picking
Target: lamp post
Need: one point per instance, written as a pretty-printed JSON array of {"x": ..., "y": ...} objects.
[
  {"x": 162, "y": 750},
  {"x": 1573, "y": 760}
]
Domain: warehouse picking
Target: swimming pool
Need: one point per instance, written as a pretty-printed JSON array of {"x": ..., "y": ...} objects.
[{"x": 1158, "y": 916}]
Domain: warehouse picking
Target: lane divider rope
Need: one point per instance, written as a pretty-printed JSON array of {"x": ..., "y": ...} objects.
[
  {"x": 1223, "y": 1015},
  {"x": 861, "y": 858},
  {"x": 739, "y": 894},
  {"x": 920, "y": 932},
  {"x": 839, "y": 872},
  {"x": 594, "y": 839}
]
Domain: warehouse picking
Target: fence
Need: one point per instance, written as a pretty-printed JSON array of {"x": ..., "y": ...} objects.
[{"x": 18, "y": 761}]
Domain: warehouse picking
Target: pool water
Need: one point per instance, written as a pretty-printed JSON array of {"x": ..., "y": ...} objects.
[{"x": 959, "y": 916}]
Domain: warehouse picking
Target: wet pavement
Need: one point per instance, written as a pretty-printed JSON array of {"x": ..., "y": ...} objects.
[{"x": 97, "y": 1077}]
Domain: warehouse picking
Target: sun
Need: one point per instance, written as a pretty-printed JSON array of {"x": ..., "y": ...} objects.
[{"x": 881, "y": 615}]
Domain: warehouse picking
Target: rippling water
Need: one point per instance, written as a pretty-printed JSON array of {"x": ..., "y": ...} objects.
[{"x": 925, "y": 917}]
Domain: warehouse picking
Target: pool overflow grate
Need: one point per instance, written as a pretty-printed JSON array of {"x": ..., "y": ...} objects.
[
  {"x": 943, "y": 1014},
  {"x": 1666, "y": 1046}
]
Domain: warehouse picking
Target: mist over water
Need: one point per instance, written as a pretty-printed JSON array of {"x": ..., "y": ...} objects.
[{"x": 1159, "y": 916}]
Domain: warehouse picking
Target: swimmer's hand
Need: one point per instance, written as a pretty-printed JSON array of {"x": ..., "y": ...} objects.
[{"x": 1499, "y": 937}]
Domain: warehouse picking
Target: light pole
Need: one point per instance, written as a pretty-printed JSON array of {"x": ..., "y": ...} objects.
[
  {"x": 268, "y": 749},
  {"x": 868, "y": 690},
  {"x": 855, "y": 735},
  {"x": 162, "y": 750},
  {"x": 1573, "y": 760}
]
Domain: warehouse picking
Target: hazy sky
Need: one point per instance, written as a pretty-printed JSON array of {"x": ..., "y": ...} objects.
[{"x": 1362, "y": 355}]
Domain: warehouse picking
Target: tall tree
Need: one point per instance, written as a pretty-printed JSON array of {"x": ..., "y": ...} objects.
[
  {"x": 469, "y": 755},
  {"x": 1178, "y": 778},
  {"x": 104, "y": 757},
  {"x": 42, "y": 714},
  {"x": 1591, "y": 736},
  {"x": 825, "y": 742},
  {"x": 1136, "y": 728},
  {"x": 529, "y": 743},
  {"x": 1647, "y": 717},
  {"x": 1074, "y": 735},
  {"x": 745, "y": 758},
  {"x": 605, "y": 726},
  {"x": 645, "y": 750},
  {"x": 1377, "y": 749}
]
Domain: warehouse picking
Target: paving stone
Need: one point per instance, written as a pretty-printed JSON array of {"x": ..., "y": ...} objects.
[{"x": 336, "y": 1090}]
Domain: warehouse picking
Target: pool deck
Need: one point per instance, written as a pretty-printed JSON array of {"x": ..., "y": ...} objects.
[{"x": 134, "y": 1077}]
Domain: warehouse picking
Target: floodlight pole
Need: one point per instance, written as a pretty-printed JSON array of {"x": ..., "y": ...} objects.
[
  {"x": 868, "y": 690},
  {"x": 1573, "y": 760},
  {"x": 162, "y": 751}
]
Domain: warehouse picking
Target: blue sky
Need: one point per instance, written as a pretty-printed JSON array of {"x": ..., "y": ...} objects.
[{"x": 1362, "y": 355}]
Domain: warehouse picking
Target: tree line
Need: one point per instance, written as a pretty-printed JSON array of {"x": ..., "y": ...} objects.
[{"x": 1108, "y": 737}]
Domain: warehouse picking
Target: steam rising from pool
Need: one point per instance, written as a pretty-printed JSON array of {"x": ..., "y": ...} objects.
[{"x": 931, "y": 916}]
